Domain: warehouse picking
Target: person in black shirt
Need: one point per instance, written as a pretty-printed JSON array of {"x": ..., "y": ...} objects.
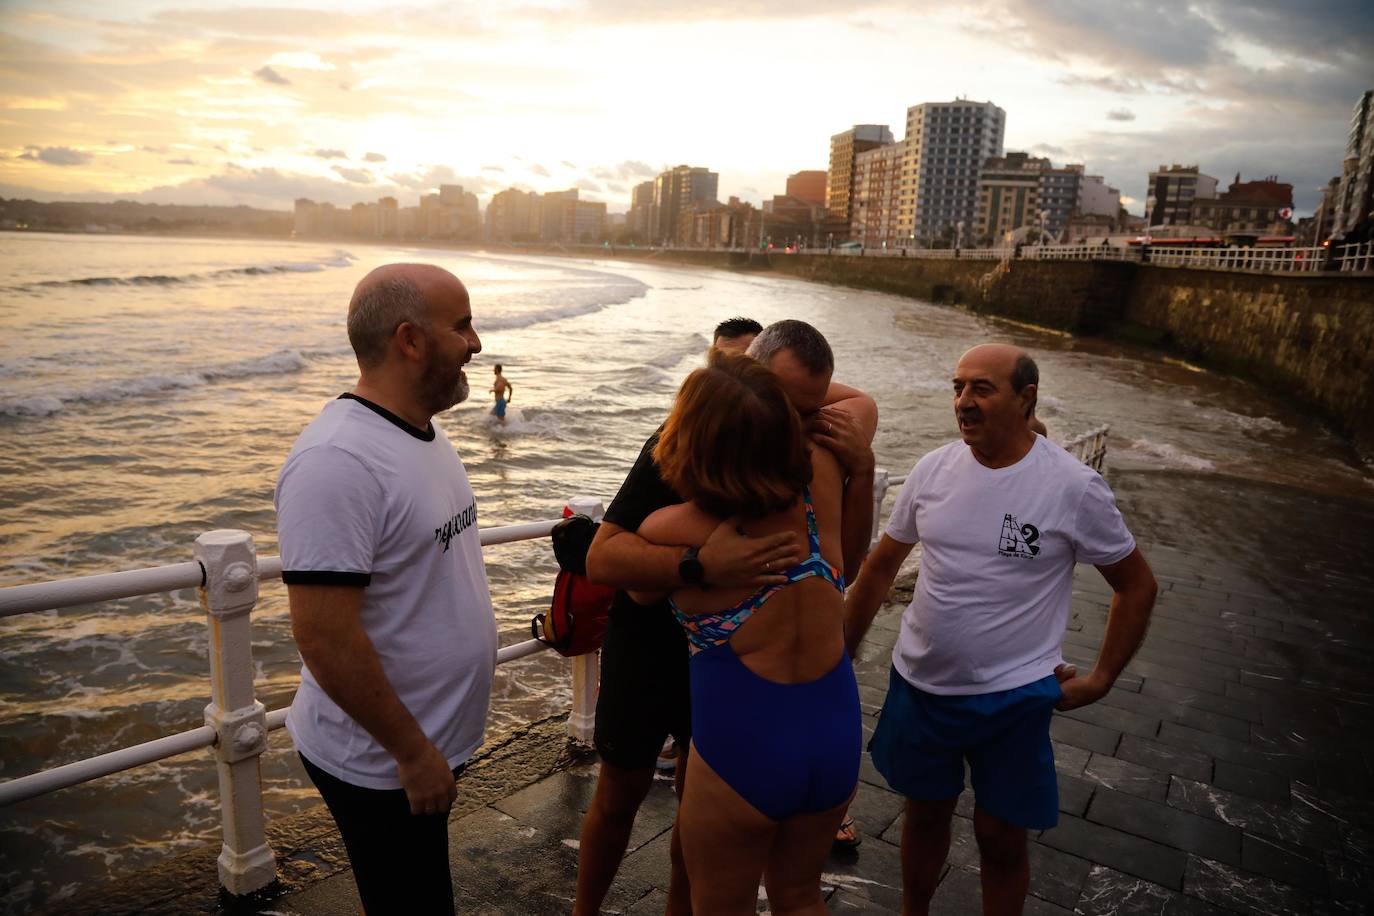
[{"x": 644, "y": 695}]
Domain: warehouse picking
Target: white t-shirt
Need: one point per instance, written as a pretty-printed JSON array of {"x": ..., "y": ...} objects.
[
  {"x": 998, "y": 552},
  {"x": 366, "y": 499}
]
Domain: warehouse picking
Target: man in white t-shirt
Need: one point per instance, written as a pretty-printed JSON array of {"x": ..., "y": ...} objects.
[
  {"x": 388, "y": 592},
  {"x": 1002, "y": 516}
]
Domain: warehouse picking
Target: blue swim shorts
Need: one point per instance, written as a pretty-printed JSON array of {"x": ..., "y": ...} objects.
[
  {"x": 923, "y": 739},
  {"x": 500, "y": 407}
]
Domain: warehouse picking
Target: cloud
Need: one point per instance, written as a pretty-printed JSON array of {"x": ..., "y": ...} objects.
[
  {"x": 56, "y": 155},
  {"x": 586, "y": 184},
  {"x": 1049, "y": 149},
  {"x": 355, "y": 176},
  {"x": 1120, "y": 114},
  {"x": 615, "y": 187},
  {"x": 568, "y": 165},
  {"x": 155, "y": 150},
  {"x": 374, "y": 157},
  {"x": 539, "y": 170},
  {"x": 268, "y": 75},
  {"x": 181, "y": 162},
  {"x": 631, "y": 168},
  {"x": 331, "y": 154},
  {"x": 492, "y": 168}
]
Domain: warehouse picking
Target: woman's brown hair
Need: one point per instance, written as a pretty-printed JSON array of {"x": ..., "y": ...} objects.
[{"x": 733, "y": 442}]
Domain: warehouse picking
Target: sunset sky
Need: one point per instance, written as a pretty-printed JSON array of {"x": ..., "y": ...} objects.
[{"x": 213, "y": 102}]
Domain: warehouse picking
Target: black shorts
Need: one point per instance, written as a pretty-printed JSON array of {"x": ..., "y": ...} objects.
[
  {"x": 399, "y": 859},
  {"x": 645, "y": 695}
]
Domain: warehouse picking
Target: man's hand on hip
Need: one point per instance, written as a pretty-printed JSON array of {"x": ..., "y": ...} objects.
[
  {"x": 732, "y": 559},
  {"x": 428, "y": 781},
  {"x": 1079, "y": 691}
]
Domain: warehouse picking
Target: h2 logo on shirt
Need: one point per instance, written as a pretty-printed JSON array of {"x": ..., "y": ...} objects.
[{"x": 1018, "y": 540}]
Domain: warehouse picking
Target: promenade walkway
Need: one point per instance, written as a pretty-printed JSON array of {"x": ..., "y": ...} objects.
[{"x": 1229, "y": 771}]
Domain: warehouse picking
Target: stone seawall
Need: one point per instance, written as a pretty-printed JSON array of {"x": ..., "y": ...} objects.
[{"x": 1308, "y": 339}]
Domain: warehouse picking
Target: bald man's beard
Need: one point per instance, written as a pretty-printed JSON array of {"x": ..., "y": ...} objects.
[{"x": 442, "y": 386}]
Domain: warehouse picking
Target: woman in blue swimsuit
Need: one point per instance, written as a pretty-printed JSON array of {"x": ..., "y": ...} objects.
[{"x": 775, "y": 708}]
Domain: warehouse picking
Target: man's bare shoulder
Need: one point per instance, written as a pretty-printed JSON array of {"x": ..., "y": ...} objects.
[{"x": 684, "y": 523}]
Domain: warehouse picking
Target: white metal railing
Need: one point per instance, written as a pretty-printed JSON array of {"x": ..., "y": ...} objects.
[{"x": 226, "y": 571}]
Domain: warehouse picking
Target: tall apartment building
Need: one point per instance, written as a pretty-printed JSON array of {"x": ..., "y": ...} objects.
[
  {"x": 844, "y": 148},
  {"x": 808, "y": 186},
  {"x": 638, "y": 220},
  {"x": 1171, "y": 192},
  {"x": 1009, "y": 196},
  {"x": 515, "y": 216},
  {"x": 1251, "y": 208},
  {"x": 1352, "y": 213},
  {"x": 1097, "y": 198},
  {"x": 674, "y": 191},
  {"x": 873, "y": 196},
  {"x": 1059, "y": 195},
  {"x": 946, "y": 146}
]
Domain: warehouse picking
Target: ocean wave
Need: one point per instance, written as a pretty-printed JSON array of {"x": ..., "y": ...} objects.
[
  {"x": 685, "y": 346},
  {"x": 278, "y": 363},
  {"x": 614, "y": 295},
  {"x": 337, "y": 259},
  {"x": 1162, "y": 454}
]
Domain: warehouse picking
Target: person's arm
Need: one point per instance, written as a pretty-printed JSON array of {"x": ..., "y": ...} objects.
[
  {"x": 622, "y": 559},
  {"x": 1133, "y": 598},
  {"x": 510, "y": 392},
  {"x": 868, "y": 592},
  {"x": 846, "y": 425},
  {"x": 326, "y": 622}
]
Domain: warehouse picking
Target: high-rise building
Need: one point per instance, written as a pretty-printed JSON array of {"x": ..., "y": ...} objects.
[
  {"x": 946, "y": 146},
  {"x": 1352, "y": 212},
  {"x": 638, "y": 220},
  {"x": 844, "y": 147},
  {"x": 1059, "y": 195},
  {"x": 1247, "y": 208},
  {"x": 1171, "y": 192},
  {"x": 1009, "y": 195},
  {"x": 808, "y": 186},
  {"x": 874, "y": 194},
  {"x": 514, "y": 216},
  {"x": 1097, "y": 198},
  {"x": 676, "y": 189}
]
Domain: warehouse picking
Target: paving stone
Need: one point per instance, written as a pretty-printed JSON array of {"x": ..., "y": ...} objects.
[
  {"x": 1302, "y": 868},
  {"x": 873, "y": 877},
  {"x": 1108, "y": 892},
  {"x": 1125, "y": 852},
  {"x": 1055, "y": 875},
  {"x": 1165, "y": 824},
  {"x": 1128, "y": 777},
  {"x": 1084, "y": 734},
  {"x": 1271, "y": 787},
  {"x": 1068, "y": 759},
  {"x": 653, "y": 903},
  {"x": 1300, "y": 825},
  {"x": 496, "y": 858},
  {"x": 1227, "y": 726},
  {"x": 1223, "y": 748},
  {"x": 1232, "y": 888},
  {"x": 1075, "y": 794},
  {"x": 875, "y": 809},
  {"x": 957, "y": 894},
  {"x": 1116, "y": 719},
  {"x": 1165, "y": 758},
  {"x": 1201, "y": 699},
  {"x": 1180, "y": 677},
  {"x": 841, "y": 901}
]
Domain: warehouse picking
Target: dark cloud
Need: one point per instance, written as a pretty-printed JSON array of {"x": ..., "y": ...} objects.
[
  {"x": 1313, "y": 28},
  {"x": 331, "y": 154},
  {"x": 354, "y": 176},
  {"x": 374, "y": 157},
  {"x": 539, "y": 170},
  {"x": 268, "y": 75},
  {"x": 1121, "y": 114},
  {"x": 181, "y": 161},
  {"x": 1131, "y": 85},
  {"x": 56, "y": 155}
]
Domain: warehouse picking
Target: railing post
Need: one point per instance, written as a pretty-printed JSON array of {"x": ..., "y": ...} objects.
[
  {"x": 586, "y": 669},
  {"x": 229, "y": 592},
  {"x": 880, "y": 485}
]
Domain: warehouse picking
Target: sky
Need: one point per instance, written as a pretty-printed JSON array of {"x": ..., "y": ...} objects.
[{"x": 211, "y": 101}]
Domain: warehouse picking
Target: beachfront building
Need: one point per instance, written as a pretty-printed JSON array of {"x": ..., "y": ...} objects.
[
  {"x": 1059, "y": 195},
  {"x": 1171, "y": 192},
  {"x": 945, "y": 148},
  {"x": 1352, "y": 212},
  {"x": 1247, "y": 209},
  {"x": 514, "y": 216},
  {"x": 1097, "y": 198},
  {"x": 845, "y": 147},
  {"x": 808, "y": 186},
  {"x": 674, "y": 191},
  {"x": 874, "y": 195},
  {"x": 638, "y": 222},
  {"x": 1008, "y": 196}
]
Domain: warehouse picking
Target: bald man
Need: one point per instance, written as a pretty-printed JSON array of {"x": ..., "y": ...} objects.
[
  {"x": 388, "y": 594},
  {"x": 1003, "y": 515}
]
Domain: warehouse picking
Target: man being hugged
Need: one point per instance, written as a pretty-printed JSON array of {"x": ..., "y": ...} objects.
[
  {"x": 1003, "y": 516},
  {"x": 388, "y": 593}
]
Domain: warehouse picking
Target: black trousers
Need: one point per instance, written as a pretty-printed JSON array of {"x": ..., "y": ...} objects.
[{"x": 400, "y": 860}]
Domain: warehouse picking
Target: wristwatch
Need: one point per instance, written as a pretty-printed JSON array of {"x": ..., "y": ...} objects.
[{"x": 690, "y": 570}]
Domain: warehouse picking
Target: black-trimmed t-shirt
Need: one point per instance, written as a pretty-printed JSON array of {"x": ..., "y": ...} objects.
[{"x": 643, "y": 493}]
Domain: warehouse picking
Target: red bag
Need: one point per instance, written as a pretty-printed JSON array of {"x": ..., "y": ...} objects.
[{"x": 576, "y": 621}]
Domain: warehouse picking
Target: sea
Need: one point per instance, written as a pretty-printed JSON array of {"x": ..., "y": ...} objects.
[{"x": 151, "y": 387}]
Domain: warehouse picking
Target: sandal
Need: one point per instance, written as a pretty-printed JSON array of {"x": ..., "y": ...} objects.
[{"x": 848, "y": 837}]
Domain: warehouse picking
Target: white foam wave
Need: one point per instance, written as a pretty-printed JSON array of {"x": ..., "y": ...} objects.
[
  {"x": 107, "y": 391},
  {"x": 685, "y": 346},
  {"x": 338, "y": 259},
  {"x": 1247, "y": 423},
  {"x": 615, "y": 295},
  {"x": 1162, "y": 454}
]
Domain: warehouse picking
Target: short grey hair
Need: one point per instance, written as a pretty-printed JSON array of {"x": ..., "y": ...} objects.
[
  {"x": 807, "y": 344},
  {"x": 377, "y": 311}
]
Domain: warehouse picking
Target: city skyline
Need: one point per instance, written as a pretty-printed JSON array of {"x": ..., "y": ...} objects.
[{"x": 194, "y": 102}]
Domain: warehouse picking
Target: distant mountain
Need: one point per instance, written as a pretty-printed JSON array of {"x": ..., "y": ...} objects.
[{"x": 128, "y": 216}]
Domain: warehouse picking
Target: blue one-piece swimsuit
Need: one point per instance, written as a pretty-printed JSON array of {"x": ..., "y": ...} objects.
[{"x": 787, "y": 749}]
